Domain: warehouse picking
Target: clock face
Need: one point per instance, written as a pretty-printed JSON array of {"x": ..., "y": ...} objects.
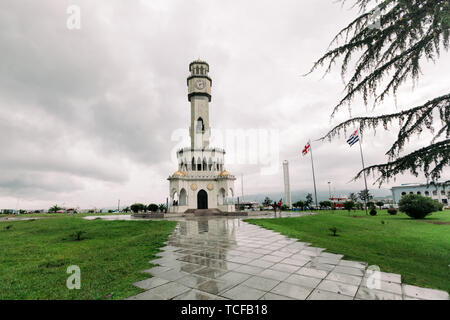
[{"x": 200, "y": 84}]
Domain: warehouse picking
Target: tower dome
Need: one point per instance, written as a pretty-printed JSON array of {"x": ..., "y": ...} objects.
[
  {"x": 224, "y": 173},
  {"x": 179, "y": 173}
]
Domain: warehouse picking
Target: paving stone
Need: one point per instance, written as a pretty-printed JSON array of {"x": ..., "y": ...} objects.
[
  {"x": 273, "y": 274},
  {"x": 147, "y": 295},
  {"x": 167, "y": 254},
  {"x": 324, "y": 260},
  {"x": 165, "y": 261},
  {"x": 262, "y": 251},
  {"x": 235, "y": 277},
  {"x": 217, "y": 264},
  {"x": 292, "y": 291},
  {"x": 410, "y": 298},
  {"x": 311, "y": 251},
  {"x": 229, "y": 266},
  {"x": 215, "y": 286},
  {"x": 150, "y": 283},
  {"x": 327, "y": 295},
  {"x": 239, "y": 259},
  {"x": 169, "y": 290},
  {"x": 373, "y": 294},
  {"x": 172, "y": 275},
  {"x": 210, "y": 272},
  {"x": 261, "y": 263},
  {"x": 190, "y": 267},
  {"x": 301, "y": 257},
  {"x": 192, "y": 281},
  {"x": 383, "y": 276},
  {"x": 345, "y": 278},
  {"x": 272, "y": 258},
  {"x": 320, "y": 266},
  {"x": 382, "y": 285},
  {"x": 349, "y": 270},
  {"x": 295, "y": 262},
  {"x": 198, "y": 295},
  {"x": 303, "y": 281},
  {"x": 242, "y": 292},
  {"x": 249, "y": 269},
  {"x": 338, "y": 287},
  {"x": 282, "y": 254},
  {"x": 352, "y": 264},
  {"x": 169, "y": 248},
  {"x": 311, "y": 272},
  {"x": 331, "y": 255},
  {"x": 260, "y": 283},
  {"x": 155, "y": 270},
  {"x": 424, "y": 293},
  {"x": 285, "y": 267},
  {"x": 273, "y": 296},
  {"x": 253, "y": 255}
]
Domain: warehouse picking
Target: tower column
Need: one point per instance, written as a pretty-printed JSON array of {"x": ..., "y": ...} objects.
[{"x": 199, "y": 94}]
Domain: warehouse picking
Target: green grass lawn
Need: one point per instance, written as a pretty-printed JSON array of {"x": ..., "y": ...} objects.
[
  {"x": 419, "y": 250},
  {"x": 35, "y": 255},
  {"x": 53, "y": 215}
]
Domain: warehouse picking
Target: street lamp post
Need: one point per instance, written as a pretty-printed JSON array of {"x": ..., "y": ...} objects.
[{"x": 329, "y": 188}]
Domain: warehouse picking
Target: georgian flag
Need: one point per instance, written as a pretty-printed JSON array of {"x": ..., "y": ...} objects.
[
  {"x": 306, "y": 149},
  {"x": 354, "y": 138}
]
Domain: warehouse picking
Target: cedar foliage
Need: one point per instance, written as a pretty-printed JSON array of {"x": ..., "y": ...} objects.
[{"x": 390, "y": 51}]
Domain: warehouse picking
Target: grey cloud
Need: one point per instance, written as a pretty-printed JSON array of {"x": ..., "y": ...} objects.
[{"x": 97, "y": 106}]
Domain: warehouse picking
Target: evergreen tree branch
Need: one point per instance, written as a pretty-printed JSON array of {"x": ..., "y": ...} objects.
[{"x": 437, "y": 154}]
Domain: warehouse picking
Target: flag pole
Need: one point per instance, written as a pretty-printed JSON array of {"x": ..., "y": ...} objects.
[
  {"x": 314, "y": 177},
  {"x": 364, "y": 172}
]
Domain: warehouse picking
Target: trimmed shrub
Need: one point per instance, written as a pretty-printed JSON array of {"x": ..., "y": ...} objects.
[
  {"x": 392, "y": 211},
  {"x": 417, "y": 206},
  {"x": 373, "y": 211},
  {"x": 152, "y": 207}
]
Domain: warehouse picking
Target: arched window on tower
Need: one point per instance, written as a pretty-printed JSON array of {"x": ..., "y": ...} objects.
[
  {"x": 209, "y": 164},
  {"x": 193, "y": 164},
  {"x": 200, "y": 126},
  {"x": 183, "y": 197},
  {"x": 199, "y": 164},
  {"x": 204, "y": 164}
]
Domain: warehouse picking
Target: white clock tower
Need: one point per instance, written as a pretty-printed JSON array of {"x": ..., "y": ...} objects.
[{"x": 201, "y": 183}]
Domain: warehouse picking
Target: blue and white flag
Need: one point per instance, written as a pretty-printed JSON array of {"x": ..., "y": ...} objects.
[{"x": 354, "y": 138}]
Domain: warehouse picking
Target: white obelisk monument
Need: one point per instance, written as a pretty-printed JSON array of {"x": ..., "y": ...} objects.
[{"x": 287, "y": 187}]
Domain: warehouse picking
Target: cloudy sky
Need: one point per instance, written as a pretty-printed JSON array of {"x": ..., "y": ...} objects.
[{"x": 92, "y": 115}]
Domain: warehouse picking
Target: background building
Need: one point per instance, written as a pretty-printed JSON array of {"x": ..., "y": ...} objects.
[{"x": 437, "y": 191}]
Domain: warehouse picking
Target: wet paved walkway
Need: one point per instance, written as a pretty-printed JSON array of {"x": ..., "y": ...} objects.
[{"x": 219, "y": 258}]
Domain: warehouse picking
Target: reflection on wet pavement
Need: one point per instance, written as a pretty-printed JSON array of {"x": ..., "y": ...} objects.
[{"x": 220, "y": 258}]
